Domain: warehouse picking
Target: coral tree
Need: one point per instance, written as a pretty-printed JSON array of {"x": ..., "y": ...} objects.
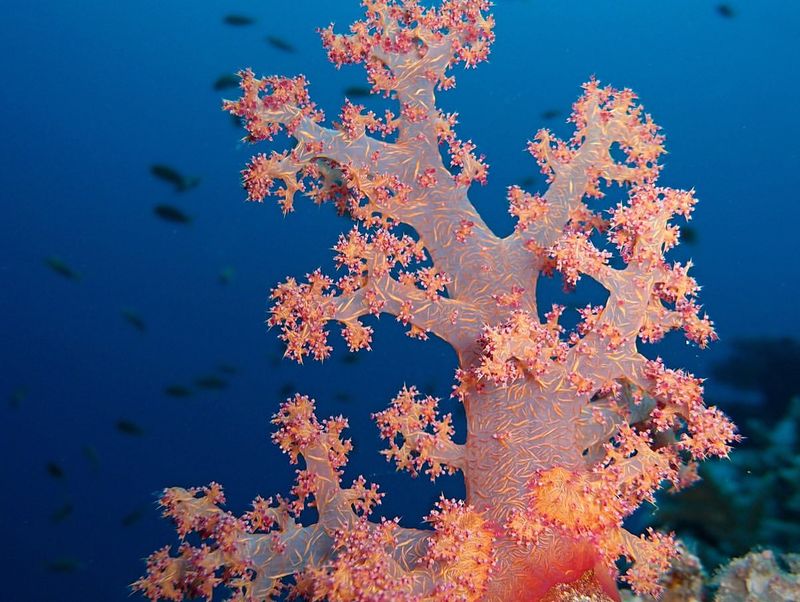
[{"x": 568, "y": 432}]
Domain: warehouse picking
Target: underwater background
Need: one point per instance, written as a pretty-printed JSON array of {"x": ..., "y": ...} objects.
[{"x": 135, "y": 277}]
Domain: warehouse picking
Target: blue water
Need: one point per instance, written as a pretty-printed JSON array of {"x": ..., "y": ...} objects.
[{"x": 94, "y": 93}]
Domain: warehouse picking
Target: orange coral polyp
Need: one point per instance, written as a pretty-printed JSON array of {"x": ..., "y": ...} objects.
[{"x": 568, "y": 432}]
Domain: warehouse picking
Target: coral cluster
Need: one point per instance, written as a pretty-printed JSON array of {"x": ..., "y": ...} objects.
[{"x": 569, "y": 431}]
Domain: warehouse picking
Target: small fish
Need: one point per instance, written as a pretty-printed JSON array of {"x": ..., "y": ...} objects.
[
  {"x": 280, "y": 44},
  {"x": 173, "y": 176},
  {"x": 689, "y": 235},
  {"x": 134, "y": 319},
  {"x": 225, "y": 275},
  {"x": 238, "y": 20},
  {"x": 357, "y": 91},
  {"x": 62, "y": 269},
  {"x": 132, "y": 517},
  {"x": 62, "y": 513},
  {"x": 17, "y": 396},
  {"x": 227, "y": 81},
  {"x": 342, "y": 397},
  {"x": 428, "y": 388},
  {"x": 54, "y": 470},
  {"x": 177, "y": 391},
  {"x": 90, "y": 453},
  {"x": 65, "y": 564},
  {"x": 171, "y": 214},
  {"x": 527, "y": 181},
  {"x": 286, "y": 390},
  {"x": 227, "y": 368},
  {"x": 211, "y": 382},
  {"x": 726, "y": 10},
  {"x": 128, "y": 427},
  {"x": 350, "y": 358},
  {"x": 550, "y": 114}
]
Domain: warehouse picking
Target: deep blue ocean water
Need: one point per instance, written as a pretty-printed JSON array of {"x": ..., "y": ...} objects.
[{"x": 94, "y": 93}]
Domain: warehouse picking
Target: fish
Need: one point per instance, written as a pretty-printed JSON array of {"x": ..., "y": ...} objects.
[
  {"x": 128, "y": 427},
  {"x": 286, "y": 390},
  {"x": 357, "y": 91},
  {"x": 62, "y": 513},
  {"x": 527, "y": 181},
  {"x": 177, "y": 391},
  {"x": 689, "y": 235},
  {"x": 170, "y": 213},
  {"x": 65, "y": 564},
  {"x": 225, "y": 275},
  {"x": 17, "y": 396},
  {"x": 280, "y": 44},
  {"x": 172, "y": 176},
  {"x": 227, "y": 368},
  {"x": 726, "y": 11},
  {"x": 226, "y": 81},
  {"x": 54, "y": 470},
  {"x": 342, "y": 397},
  {"x": 61, "y": 268},
  {"x": 211, "y": 382},
  {"x": 550, "y": 113},
  {"x": 238, "y": 20},
  {"x": 90, "y": 453},
  {"x": 134, "y": 319},
  {"x": 132, "y": 517}
]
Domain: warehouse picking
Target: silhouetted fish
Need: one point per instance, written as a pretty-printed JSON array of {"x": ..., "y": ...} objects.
[
  {"x": 90, "y": 453},
  {"x": 171, "y": 214},
  {"x": 726, "y": 10},
  {"x": 357, "y": 91},
  {"x": 280, "y": 44},
  {"x": 173, "y": 176},
  {"x": 54, "y": 470},
  {"x": 17, "y": 397},
  {"x": 177, "y": 391},
  {"x": 132, "y": 517},
  {"x": 227, "y": 81},
  {"x": 65, "y": 564},
  {"x": 238, "y": 20},
  {"x": 128, "y": 427},
  {"x": 62, "y": 269},
  {"x": 225, "y": 275},
  {"x": 688, "y": 235},
  {"x": 211, "y": 382},
  {"x": 527, "y": 181},
  {"x": 286, "y": 390},
  {"x": 134, "y": 319},
  {"x": 227, "y": 368},
  {"x": 62, "y": 513},
  {"x": 550, "y": 113}
]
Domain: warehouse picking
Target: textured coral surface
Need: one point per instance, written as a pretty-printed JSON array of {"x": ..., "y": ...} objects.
[{"x": 569, "y": 430}]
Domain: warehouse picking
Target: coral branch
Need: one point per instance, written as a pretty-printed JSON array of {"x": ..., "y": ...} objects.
[{"x": 426, "y": 439}]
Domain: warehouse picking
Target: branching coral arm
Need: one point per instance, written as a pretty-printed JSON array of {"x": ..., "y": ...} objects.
[
  {"x": 302, "y": 310},
  {"x": 603, "y": 117},
  {"x": 407, "y": 51},
  {"x": 639, "y": 293},
  {"x": 418, "y": 437}
]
